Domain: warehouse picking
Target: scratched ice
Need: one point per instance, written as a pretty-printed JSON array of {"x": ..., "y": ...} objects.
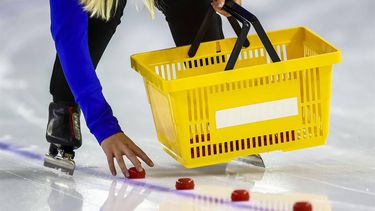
[{"x": 338, "y": 176}]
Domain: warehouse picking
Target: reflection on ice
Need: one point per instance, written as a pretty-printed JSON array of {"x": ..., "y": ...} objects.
[
  {"x": 64, "y": 195},
  {"x": 338, "y": 175},
  {"x": 258, "y": 201},
  {"x": 127, "y": 197}
]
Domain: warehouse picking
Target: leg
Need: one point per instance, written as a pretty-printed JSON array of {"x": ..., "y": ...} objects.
[
  {"x": 63, "y": 129},
  {"x": 184, "y": 18}
]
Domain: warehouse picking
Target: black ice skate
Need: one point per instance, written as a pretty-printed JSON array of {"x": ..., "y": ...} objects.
[
  {"x": 64, "y": 134},
  {"x": 62, "y": 160}
]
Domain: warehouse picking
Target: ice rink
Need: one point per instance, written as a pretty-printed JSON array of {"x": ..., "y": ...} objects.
[{"x": 337, "y": 176}]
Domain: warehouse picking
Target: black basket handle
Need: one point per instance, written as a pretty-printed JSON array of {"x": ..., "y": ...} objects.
[{"x": 247, "y": 19}]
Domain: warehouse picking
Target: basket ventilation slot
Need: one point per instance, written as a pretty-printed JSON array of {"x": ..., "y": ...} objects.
[
  {"x": 254, "y": 142},
  {"x": 311, "y": 108},
  {"x": 169, "y": 71}
]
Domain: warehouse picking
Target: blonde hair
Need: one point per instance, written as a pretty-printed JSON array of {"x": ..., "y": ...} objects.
[
  {"x": 150, "y": 6},
  {"x": 100, "y": 8},
  {"x": 106, "y": 8}
]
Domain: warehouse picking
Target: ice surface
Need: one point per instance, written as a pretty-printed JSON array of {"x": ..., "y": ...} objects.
[{"x": 338, "y": 176}]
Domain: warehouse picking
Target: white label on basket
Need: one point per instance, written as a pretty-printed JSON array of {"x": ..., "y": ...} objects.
[{"x": 256, "y": 112}]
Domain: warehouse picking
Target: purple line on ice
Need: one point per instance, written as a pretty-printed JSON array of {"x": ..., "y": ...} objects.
[
  {"x": 19, "y": 151},
  {"x": 215, "y": 200}
]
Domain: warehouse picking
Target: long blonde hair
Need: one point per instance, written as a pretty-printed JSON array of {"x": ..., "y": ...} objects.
[{"x": 106, "y": 8}]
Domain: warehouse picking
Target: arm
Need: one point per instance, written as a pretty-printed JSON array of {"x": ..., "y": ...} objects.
[{"x": 69, "y": 27}]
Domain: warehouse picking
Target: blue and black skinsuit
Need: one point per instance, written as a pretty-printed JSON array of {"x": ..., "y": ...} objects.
[{"x": 80, "y": 42}]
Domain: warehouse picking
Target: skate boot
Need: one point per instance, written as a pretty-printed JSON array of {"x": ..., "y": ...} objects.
[
  {"x": 255, "y": 160},
  {"x": 64, "y": 135}
]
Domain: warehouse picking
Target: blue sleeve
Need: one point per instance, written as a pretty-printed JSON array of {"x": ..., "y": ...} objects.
[{"x": 69, "y": 28}]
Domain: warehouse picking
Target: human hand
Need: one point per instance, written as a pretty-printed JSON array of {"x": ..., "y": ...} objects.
[
  {"x": 118, "y": 145},
  {"x": 218, "y": 6}
]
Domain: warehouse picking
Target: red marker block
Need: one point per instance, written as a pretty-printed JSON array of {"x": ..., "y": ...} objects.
[
  {"x": 185, "y": 184},
  {"x": 134, "y": 174},
  {"x": 240, "y": 195},
  {"x": 302, "y": 206}
]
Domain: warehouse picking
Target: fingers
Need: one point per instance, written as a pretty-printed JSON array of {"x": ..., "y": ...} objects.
[
  {"x": 121, "y": 163},
  {"x": 218, "y": 7},
  {"x": 111, "y": 165},
  {"x": 218, "y": 3},
  {"x": 119, "y": 145},
  {"x": 133, "y": 158},
  {"x": 139, "y": 152},
  {"x": 144, "y": 157}
]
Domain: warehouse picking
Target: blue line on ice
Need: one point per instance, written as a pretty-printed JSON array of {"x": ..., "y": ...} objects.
[{"x": 26, "y": 154}]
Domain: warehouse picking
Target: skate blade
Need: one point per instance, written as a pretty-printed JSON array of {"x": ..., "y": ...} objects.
[
  {"x": 59, "y": 164},
  {"x": 254, "y": 160}
]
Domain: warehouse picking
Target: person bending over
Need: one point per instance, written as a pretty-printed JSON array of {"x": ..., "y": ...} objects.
[{"x": 81, "y": 30}]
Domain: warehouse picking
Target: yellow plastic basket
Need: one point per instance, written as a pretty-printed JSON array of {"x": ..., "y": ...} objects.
[{"x": 204, "y": 115}]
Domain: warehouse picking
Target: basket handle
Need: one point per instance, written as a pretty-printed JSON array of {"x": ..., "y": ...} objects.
[
  {"x": 247, "y": 19},
  {"x": 203, "y": 29}
]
